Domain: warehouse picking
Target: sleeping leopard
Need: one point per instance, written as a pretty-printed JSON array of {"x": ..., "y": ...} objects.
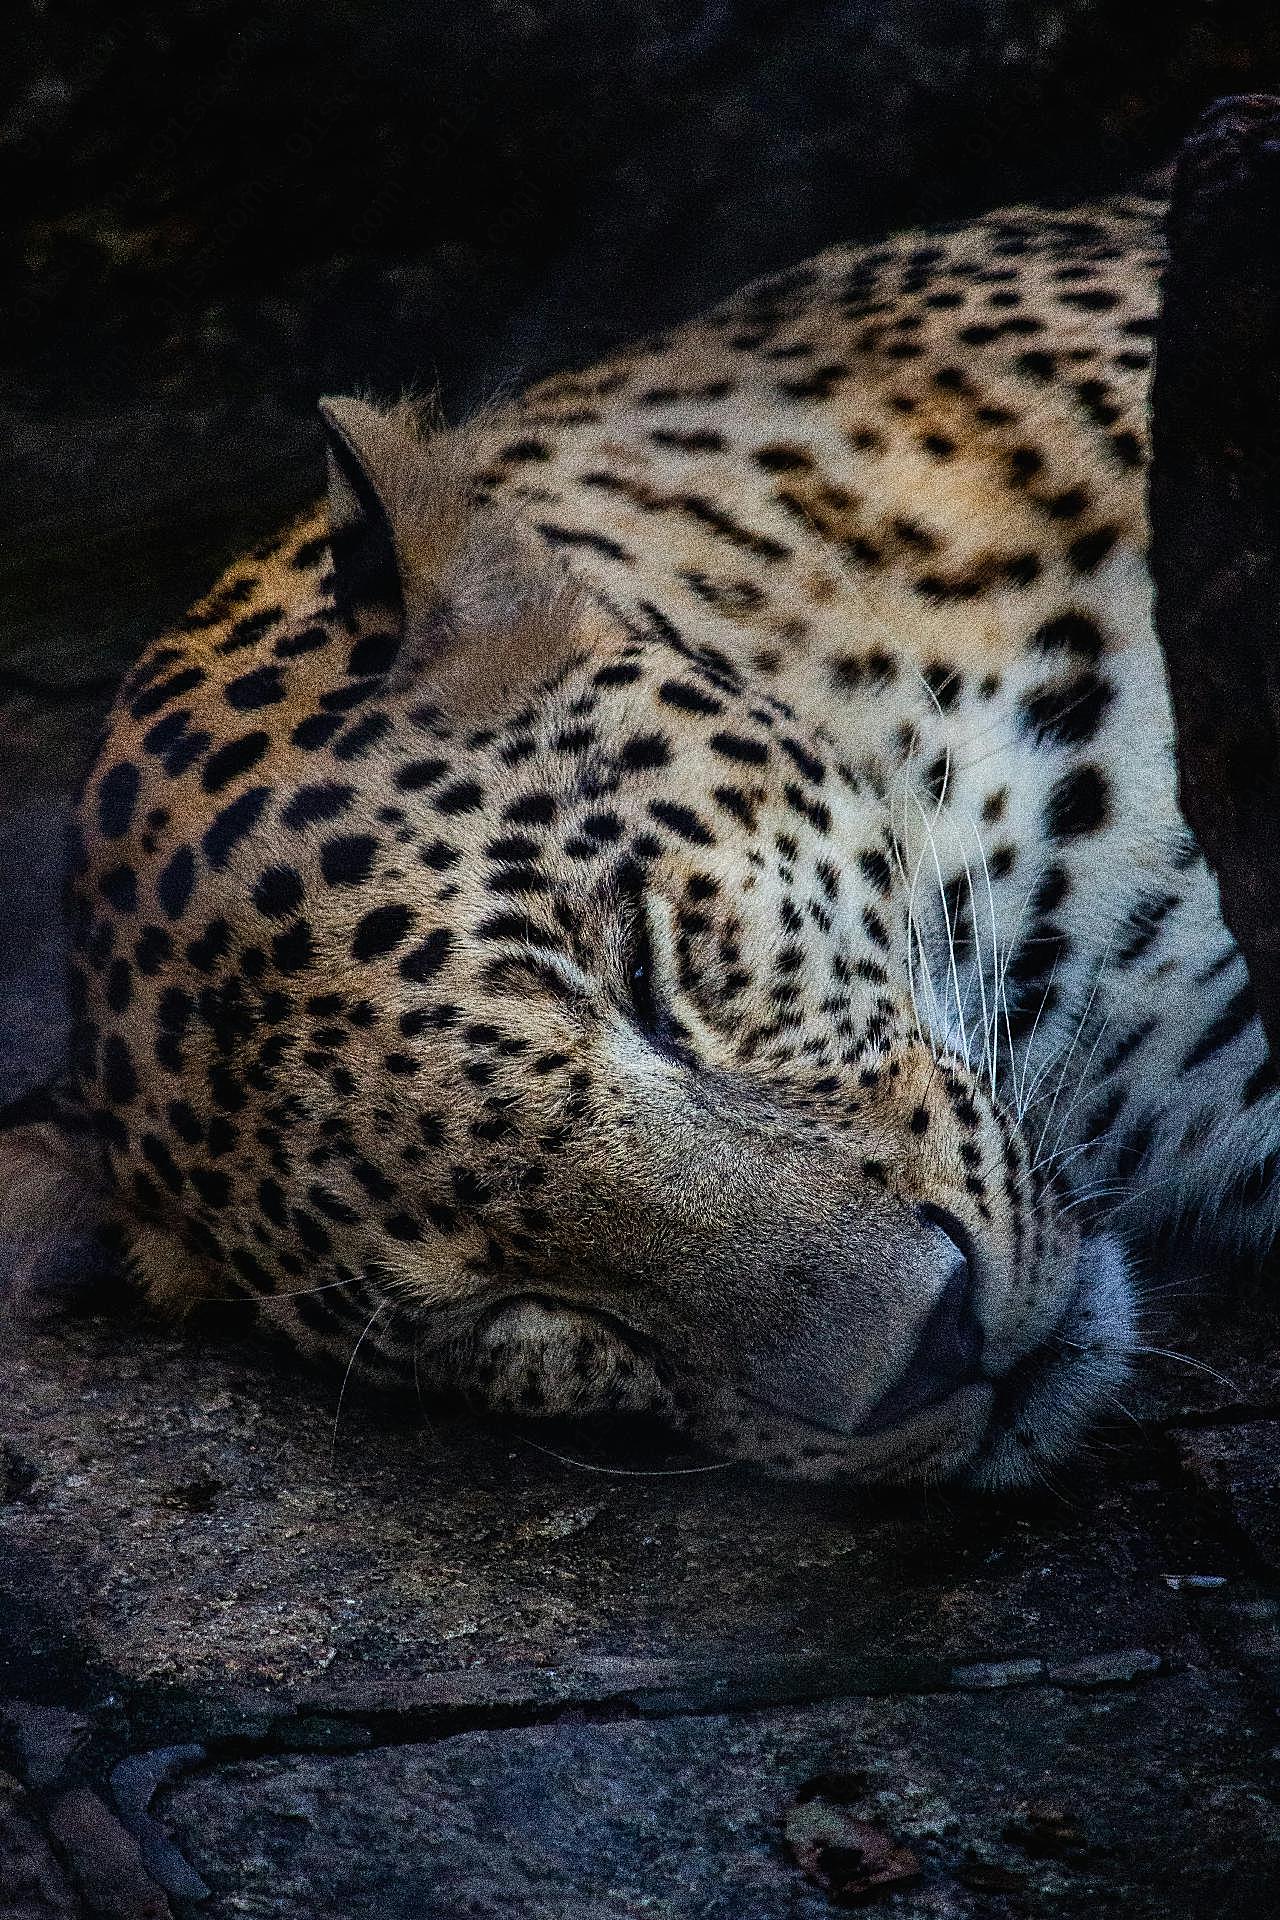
[{"x": 671, "y": 897}]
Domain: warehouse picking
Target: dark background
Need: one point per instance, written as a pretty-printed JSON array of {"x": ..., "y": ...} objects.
[{"x": 216, "y": 210}]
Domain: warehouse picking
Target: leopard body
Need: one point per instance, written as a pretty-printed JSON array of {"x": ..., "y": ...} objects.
[{"x": 673, "y": 896}]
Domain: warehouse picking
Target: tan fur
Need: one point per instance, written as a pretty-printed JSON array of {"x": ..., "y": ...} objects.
[
  {"x": 488, "y": 610},
  {"x": 48, "y": 1197}
]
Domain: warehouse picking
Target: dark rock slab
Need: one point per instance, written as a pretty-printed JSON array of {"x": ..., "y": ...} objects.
[
  {"x": 1004, "y": 1800},
  {"x": 1242, "y": 1463},
  {"x": 32, "y": 1885},
  {"x": 1215, "y": 504}
]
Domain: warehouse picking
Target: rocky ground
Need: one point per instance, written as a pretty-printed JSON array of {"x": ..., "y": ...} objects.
[{"x": 262, "y": 1653}]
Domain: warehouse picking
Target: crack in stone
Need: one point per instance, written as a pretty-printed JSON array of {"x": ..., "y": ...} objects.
[{"x": 511, "y": 1702}]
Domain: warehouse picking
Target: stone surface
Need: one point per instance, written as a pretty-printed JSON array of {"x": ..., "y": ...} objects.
[
  {"x": 32, "y": 1886},
  {"x": 1242, "y": 1463},
  {"x": 995, "y": 1795},
  {"x": 104, "y": 1860}
]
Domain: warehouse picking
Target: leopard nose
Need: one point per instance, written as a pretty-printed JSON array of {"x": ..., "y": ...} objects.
[{"x": 948, "y": 1348}]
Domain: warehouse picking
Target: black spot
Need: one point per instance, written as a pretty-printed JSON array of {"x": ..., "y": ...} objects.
[
  {"x": 1068, "y": 714},
  {"x": 1078, "y": 804},
  {"x": 1261, "y": 1081},
  {"x": 1036, "y": 365},
  {"x": 293, "y": 949},
  {"x": 119, "y": 986},
  {"x": 1021, "y": 569},
  {"x": 1091, "y": 549},
  {"x": 212, "y": 1187},
  {"x": 736, "y": 803},
  {"x": 737, "y": 746},
  {"x": 235, "y": 758},
  {"x": 332, "y": 1206},
  {"x": 602, "y": 827},
  {"x": 309, "y": 640},
  {"x": 278, "y": 892},
  {"x": 439, "y": 856},
  {"x": 163, "y": 1161},
  {"x": 775, "y": 459},
  {"x": 309, "y": 555},
  {"x": 464, "y": 796},
  {"x": 119, "y": 1078},
  {"x": 875, "y": 929},
  {"x": 375, "y": 653},
  {"x": 1143, "y": 927},
  {"x": 185, "y": 1122},
  {"x": 313, "y": 804},
  {"x": 271, "y": 1201},
  {"x": 678, "y": 693},
  {"x": 818, "y": 385},
  {"x": 167, "y": 690},
  {"x": 310, "y": 1232},
  {"x": 353, "y": 694},
  {"x": 583, "y": 537},
  {"x": 358, "y": 739},
  {"x": 1090, "y": 299},
  {"x": 150, "y": 668},
  {"x": 645, "y": 752},
  {"x": 1069, "y": 504},
  {"x": 621, "y": 673},
  {"x": 264, "y": 687},
  {"x": 231, "y": 825},
  {"x": 250, "y": 628},
  {"x": 683, "y": 821},
  {"x": 1024, "y": 464},
  {"x": 152, "y": 949},
  {"x": 877, "y": 870},
  {"x": 945, "y": 683},
  {"x": 522, "y": 450},
  {"x": 416, "y": 774},
  {"x": 373, "y": 1180},
  {"x": 803, "y": 761},
  {"x": 1239, "y": 1011},
  {"x": 347, "y": 859},
  {"x": 225, "y": 1089},
  {"x": 1070, "y": 633},
  {"x": 316, "y": 731},
  {"x": 117, "y": 798},
  {"x": 167, "y": 732},
  {"x": 186, "y": 752},
  {"x": 381, "y": 930},
  {"x": 120, "y": 888},
  {"x": 209, "y": 948}
]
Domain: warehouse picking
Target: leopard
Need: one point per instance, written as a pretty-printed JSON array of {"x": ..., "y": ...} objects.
[{"x": 669, "y": 898}]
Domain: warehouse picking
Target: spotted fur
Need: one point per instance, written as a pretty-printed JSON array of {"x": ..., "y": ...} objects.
[{"x": 673, "y": 897}]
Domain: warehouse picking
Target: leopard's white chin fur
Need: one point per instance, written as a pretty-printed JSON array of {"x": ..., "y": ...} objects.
[{"x": 1046, "y": 1403}]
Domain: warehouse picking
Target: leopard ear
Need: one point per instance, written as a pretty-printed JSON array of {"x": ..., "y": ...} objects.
[
  {"x": 482, "y": 609},
  {"x": 362, "y": 454}
]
